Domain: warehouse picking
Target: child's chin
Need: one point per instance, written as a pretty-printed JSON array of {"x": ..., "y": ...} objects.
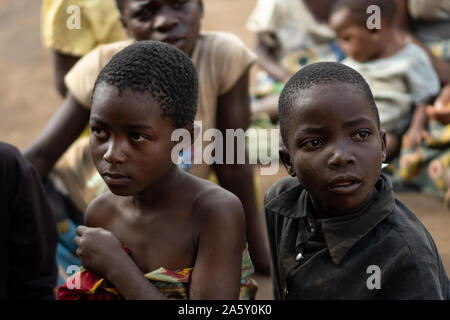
[
  {"x": 121, "y": 192},
  {"x": 351, "y": 205}
]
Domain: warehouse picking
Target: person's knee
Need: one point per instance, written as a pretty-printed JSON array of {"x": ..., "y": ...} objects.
[
  {"x": 9, "y": 154},
  {"x": 13, "y": 164}
]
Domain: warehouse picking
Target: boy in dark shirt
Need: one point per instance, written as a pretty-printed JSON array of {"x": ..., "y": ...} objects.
[{"x": 336, "y": 231}]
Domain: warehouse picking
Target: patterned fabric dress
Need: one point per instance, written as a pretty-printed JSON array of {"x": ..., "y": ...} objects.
[
  {"x": 427, "y": 165},
  {"x": 173, "y": 284}
]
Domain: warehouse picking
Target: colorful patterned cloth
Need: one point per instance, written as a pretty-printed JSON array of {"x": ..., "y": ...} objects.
[
  {"x": 440, "y": 49},
  {"x": 173, "y": 284},
  {"x": 427, "y": 165}
]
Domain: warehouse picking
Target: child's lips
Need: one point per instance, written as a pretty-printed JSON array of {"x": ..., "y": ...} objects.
[
  {"x": 344, "y": 185},
  {"x": 115, "y": 179}
]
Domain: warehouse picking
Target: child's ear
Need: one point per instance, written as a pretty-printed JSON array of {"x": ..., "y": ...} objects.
[
  {"x": 286, "y": 160},
  {"x": 383, "y": 144}
]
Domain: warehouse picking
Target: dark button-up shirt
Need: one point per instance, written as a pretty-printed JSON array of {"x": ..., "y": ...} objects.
[{"x": 382, "y": 251}]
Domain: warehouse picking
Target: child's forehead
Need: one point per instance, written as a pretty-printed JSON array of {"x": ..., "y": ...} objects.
[
  {"x": 115, "y": 94},
  {"x": 327, "y": 101},
  {"x": 125, "y": 102},
  {"x": 329, "y": 88}
]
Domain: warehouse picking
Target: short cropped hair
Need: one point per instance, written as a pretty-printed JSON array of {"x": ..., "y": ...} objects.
[
  {"x": 159, "y": 69},
  {"x": 358, "y": 9},
  {"x": 320, "y": 73}
]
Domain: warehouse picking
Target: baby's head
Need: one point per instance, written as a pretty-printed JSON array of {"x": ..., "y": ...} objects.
[
  {"x": 141, "y": 96},
  {"x": 331, "y": 129},
  {"x": 348, "y": 18}
]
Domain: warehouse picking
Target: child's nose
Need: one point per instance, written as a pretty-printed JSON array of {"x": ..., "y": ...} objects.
[
  {"x": 340, "y": 157},
  {"x": 114, "y": 153}
]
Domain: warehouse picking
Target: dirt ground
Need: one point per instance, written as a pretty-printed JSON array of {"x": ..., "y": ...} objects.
[{"x": 28, "y": 97}]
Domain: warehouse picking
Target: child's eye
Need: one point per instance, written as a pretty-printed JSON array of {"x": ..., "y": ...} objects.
[
  {"x": 144, "y": 14},
  {"x": 312, "y": 144},
  {"x": 361, "y": 135},
  {"x": 178, "y": 3},
  {"x": 99, "y": 133},
  {"x": 137, "y": 137},
  {"x": 147, "y": 12}
]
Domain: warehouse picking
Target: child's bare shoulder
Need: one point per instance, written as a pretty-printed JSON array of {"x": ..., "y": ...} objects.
[
  {"x": 101, "y": 210},
  {"x": 210, "y": 201}
]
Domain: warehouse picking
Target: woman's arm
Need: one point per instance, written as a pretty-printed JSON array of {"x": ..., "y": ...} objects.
[
  {"x": 403, "y": 21},
  {"x": 418, "y": 127},
  {"x": 234, "y": 113},
  {"x": 62, "y": 63},
  {"x": 59, "y": 133},
  {"x": 267, "y": 60}
]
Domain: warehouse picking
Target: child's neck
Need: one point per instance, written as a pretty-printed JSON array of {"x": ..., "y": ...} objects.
[
  {"x": 161, "y": 193},
  {"x": 393, "y": 42}
]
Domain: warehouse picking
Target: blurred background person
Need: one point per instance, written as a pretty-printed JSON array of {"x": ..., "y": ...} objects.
[
  {"x": 99, "y": 23},
  {"x": 27, "y": 231},
  {"x": 289, "y": 35}
]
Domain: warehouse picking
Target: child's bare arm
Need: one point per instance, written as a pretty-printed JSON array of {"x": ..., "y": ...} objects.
[
  {"x": 217, "y": 268},
  {"x": 267, "y": 61},
  {"x": 218, "y": 263},
  {"x": 59, "y": 133},
  {"x": 417, "y": 129},
  {"x": 404, "y": 22},
  {"x": 62, "y": 63},
  {"x": 102, "y": 253},
  {"x": 440, "y": 111}
]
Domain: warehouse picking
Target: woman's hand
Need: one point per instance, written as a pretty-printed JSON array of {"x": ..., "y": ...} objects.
[{"x": 98, "y": 249}]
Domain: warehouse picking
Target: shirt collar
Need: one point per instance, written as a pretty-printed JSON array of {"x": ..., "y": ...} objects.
[
  {"x": 340, "y": 233},
  {"x": 289, "y": 203}
]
